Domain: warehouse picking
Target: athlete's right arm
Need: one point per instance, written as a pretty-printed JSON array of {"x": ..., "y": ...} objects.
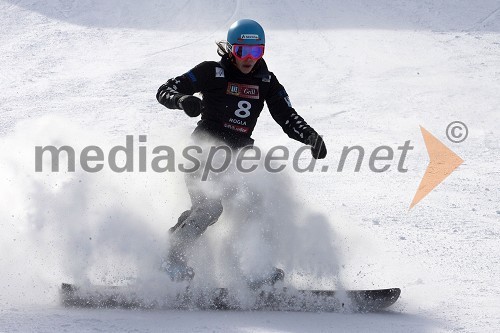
[{"x": 189, "y": 83}]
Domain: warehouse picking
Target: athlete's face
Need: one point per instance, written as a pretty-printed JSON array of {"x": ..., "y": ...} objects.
[{"x": 245, "y": 66}]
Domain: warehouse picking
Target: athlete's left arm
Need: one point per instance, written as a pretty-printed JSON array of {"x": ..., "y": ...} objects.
[
  {"x": 292, "y": 123},
  {"x": 284, "y": 114}
]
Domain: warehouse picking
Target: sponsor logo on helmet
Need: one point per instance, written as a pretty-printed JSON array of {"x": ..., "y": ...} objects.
[{"x": 249, "y": 36}]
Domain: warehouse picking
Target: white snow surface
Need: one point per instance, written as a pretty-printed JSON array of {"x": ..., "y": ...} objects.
[{"x": 361, "y": 72}]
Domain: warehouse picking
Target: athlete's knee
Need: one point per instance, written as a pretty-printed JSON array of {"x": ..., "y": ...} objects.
[
  {"x": 214, "y": 210},
  {"x": 208, "y": 213},
  {"x": 180, "y": 220},
  {"x": 198, "y": 220}
]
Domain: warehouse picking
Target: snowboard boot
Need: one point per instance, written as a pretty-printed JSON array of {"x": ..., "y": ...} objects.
[{"x": 276, "y": 274}]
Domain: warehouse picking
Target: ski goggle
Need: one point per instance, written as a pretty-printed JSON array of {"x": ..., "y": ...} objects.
[{"x": 243, "y": 52}]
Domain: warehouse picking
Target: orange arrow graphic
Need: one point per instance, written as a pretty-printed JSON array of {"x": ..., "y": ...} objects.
[{"x": 442, "y": 163}]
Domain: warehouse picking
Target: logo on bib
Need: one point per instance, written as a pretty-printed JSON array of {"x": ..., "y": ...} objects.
[{"x": 243, "y": 90}]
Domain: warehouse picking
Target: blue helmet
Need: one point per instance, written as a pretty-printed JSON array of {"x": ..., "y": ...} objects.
[{"x": 246, "y": 32}]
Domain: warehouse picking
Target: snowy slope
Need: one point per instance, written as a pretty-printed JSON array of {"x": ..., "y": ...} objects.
[{"x": 361, "y": 72}]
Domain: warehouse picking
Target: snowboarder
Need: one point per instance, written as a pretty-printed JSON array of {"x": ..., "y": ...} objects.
[{"x": 233, "y": 90}]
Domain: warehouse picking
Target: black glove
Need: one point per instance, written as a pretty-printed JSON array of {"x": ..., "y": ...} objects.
[
  {"x": 318, "y": 148},
  {"x": 190, "y": 104}
]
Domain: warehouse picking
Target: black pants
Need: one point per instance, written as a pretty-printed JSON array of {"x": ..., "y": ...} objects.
[{"x": 206, "y": 195}]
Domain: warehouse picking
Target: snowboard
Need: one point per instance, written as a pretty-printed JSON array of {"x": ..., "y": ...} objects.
[{"x": 270, "y": 298}]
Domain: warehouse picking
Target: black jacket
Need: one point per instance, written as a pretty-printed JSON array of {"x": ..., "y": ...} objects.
[{"x": 232, "y": 101}]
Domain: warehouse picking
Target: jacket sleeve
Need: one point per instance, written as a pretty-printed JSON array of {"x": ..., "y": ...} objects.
[
  {"x": 284, "y": 114},
  {"x": 186, "y": 84}
]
